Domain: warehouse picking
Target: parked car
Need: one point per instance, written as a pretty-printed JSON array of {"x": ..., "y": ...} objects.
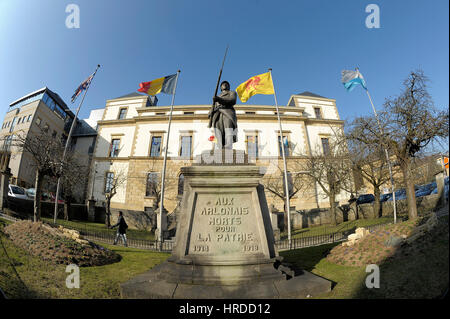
[
  {"x": 53, "y": 197},
  {"x": 399, "y": 195},
  {"x": 45, "y": 196},
  {"x": 423, "y": 190},
  {"x": 17, "y": 192},
  {"x": 385, "y": 197},
  {"x": 365, "y": 198},
  {"x": 30, "y": 192}
]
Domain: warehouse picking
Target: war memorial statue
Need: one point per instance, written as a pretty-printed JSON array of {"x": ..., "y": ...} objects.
[
  {"x": 224, "y": 242},
  {"x": 222, "y": 117}
]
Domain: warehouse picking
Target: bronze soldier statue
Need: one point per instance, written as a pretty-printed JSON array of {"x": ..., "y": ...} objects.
[{"x": 223, "y": 117}]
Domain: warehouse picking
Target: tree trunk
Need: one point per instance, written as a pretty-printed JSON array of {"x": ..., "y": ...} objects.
[
  {"x": 37, "y": 196},
  {"x": 376, "y": 204},
  {"x": 108, "y": 212},
  {"x": 410, "y": 192},
  {"x": 67, "y": 204},
  {"x": 332, "y": 199}
]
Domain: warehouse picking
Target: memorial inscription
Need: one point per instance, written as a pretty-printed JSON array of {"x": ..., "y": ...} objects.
[{"x": 224, "y": 225}]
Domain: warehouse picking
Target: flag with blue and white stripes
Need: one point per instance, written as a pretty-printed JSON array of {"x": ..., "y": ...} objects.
[{"x": 350, "y": 79}]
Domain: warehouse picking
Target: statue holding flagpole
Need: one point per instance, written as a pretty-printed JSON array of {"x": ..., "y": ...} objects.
[{"x": 222, "y": 116}]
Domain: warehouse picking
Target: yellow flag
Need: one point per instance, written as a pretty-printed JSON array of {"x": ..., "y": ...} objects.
[{"x": 259, "y": 84}]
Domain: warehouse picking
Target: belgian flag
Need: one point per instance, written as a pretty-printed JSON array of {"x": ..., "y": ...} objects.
[{"x": 165, "y": 85}]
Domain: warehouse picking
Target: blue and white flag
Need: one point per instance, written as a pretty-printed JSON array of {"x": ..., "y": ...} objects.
[{"x": 350, "y": 79}]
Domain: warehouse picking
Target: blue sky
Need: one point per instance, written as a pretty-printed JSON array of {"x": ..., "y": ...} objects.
[{"x": 306, "y": 43}]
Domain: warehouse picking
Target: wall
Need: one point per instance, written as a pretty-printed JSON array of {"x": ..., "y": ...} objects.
[{"x": 316, "y": 217}]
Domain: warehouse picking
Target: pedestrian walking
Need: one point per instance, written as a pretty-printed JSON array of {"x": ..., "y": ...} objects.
[{"x": 121, "y": 231}]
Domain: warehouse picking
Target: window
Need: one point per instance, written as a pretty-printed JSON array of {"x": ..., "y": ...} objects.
[
  {"x": 38, "y": 121},
  {"x": 290, "y": 184},
  {"x": 114, "y": 148},
  {"x": 180, "y": 184},
  {"x": 186, "y": 146},
  {"x": 122, "y": 113},
  {"x": 46, "y": 127},
  {"x": 7, "y": 143},
  {"x": 151, "y": 187},
  {"x": 318, "y": 113},
  {"x": 51, "y": 104},
  {"x": 325, "y": 145},
  {"x": 251, "y": 113},
  {"x": 252, "y": 145},
  {"x": 188, "y": 113},
  {"x": 109, "y": 182},
  {"x": 285, "y": 145},
  {"x": 13, "y": 124},
  {"x": 29, "y": 118},
  {"x": 45, "y": 98},
  {"x": 155, "y": 148}
]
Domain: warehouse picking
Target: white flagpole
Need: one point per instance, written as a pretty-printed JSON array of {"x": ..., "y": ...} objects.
[
  {"x": 163, "y": 175},
  {"x": 286, "y": 185},
  {"x": 387, "y": 155},
  {"x": 55, "y": 214}
]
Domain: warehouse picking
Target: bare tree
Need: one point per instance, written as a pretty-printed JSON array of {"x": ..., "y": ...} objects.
[
  {"x": 275, "y": 184},
  {"x": 113, "y": 183},
  {"x": 330, "y": 168},
  {"x": 74, "y": 175},
  {"x": 45, "y": 151},
  {"x": 410, "y": 122},
  {"x": 368, "y": 157},
  {"x": 153, "y": 182}
]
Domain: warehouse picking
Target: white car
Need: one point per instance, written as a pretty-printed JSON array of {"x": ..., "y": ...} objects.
[{"x": 17, "y": 192}]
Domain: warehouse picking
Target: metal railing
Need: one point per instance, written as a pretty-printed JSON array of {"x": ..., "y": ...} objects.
[
  {"x": 317, "y": 240},
  {"x": 107, "y": 236}
]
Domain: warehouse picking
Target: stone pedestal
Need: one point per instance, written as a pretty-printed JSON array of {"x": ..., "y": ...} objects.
[
  {"x": 91, "y": 210},
  {"x": 224, "y": 246}
]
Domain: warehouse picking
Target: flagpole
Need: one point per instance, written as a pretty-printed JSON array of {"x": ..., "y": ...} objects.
[
  {"x": 163, "y": 175},
  {"x": 386, "y": 153},
  {"x": 55, "y": 214},
  {"x": 286, "y": 186}
]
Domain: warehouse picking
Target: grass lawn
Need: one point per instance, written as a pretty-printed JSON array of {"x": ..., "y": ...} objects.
[
  {"x": 39, "y": 279},
  {"x": 418, "y": 271},
  {"x": 100, "y": 227},
  {"x": 329, "y": 229}
]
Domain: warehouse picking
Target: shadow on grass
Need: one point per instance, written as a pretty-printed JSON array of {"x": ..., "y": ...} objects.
[
  {"x": 308, "y": 258},
  {"x": 416, "y": 270}
]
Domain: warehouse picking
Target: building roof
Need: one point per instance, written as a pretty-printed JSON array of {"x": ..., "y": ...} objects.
[
  {"x": 132, "y": 94},
  {"x": 306, "y": 93},
  {"x": 83, "y": 129}
]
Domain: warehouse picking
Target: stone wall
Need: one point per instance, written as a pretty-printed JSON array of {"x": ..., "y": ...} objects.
[
  {"x": 135, "y": 219},
  {"x": 322, "y": 216}
]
